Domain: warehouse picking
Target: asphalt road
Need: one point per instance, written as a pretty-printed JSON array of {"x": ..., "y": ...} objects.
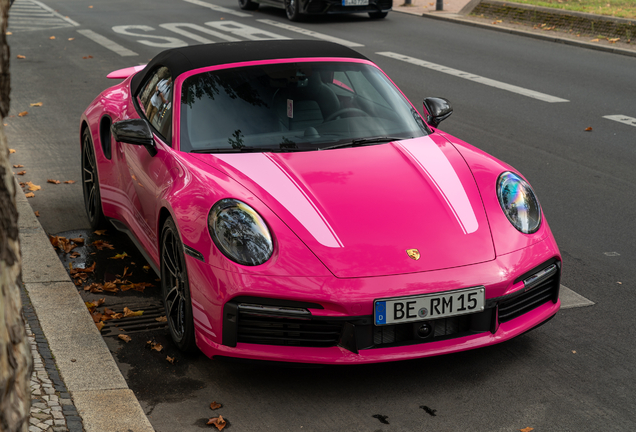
[{"x": 575, "y": 373}]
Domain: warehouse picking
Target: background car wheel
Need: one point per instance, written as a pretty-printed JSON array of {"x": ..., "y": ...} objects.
[
  {"x": 378, "y": 15},
  {"x": 248, "y": 5},
  {"x": 175, "y": 288},
  {"x": 90, "y": 183},
  {"x": 292, "y": 8}
]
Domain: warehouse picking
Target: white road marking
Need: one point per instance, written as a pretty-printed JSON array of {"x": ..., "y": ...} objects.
[
  {"x": 178, "y": 28},
  {"x": 168, "y": 42},
  {"x": 476, "y": 78},
  {"x": 622, "y": 119},
  {"x": 245, "y": 31},
  {"x": 219, "y": 8},
  {"x": 30, "y": 15},
  {"x": 310, "y": 33},
  {"x": 107, "y": 43},
  {"x": 60, "y": 16},
  {"x": 570, "y": 299}
]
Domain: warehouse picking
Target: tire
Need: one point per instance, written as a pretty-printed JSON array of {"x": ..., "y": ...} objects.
[
  {"x": 247, "y": 5},
  {"x": 90, "y": 183},
  {"x": 292, "y": 9},
  {"x": 175, "y": 288},
  {"x": 378, "y": 15}
]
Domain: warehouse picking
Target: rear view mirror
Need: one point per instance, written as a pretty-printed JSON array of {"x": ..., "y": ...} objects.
[{"x": 436, "y": 109}]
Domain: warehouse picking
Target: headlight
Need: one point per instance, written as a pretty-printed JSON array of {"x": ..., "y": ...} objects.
[
  {"x": 239, "y": 232},
  {"x": 518, "y": 202}
]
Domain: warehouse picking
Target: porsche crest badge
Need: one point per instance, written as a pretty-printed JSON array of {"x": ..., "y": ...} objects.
[{"x": 413, "y": 253}]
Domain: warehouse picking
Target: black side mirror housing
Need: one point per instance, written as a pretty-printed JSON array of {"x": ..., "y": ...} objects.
[
  {"x": 436, "y": 109},
  {"x": 134, "y": 131}
]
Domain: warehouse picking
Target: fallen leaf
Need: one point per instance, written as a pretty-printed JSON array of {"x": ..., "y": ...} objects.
[
  {"x": 161, "y": 319},
  {"x": 23, "y": 113},
  {"x": 215, "y": 405},
  {"x": 97, "y": 316},
  {"x": 157, "y": 347},
  {"x": 52, "y": 37},
  {"x": 119, "y": 256},
  {"x": 528, "y": 429},
  {"x": 146, "y": 268},
  {"x": 87, "y": 57},
  {"x": 595, "y": 40},
  {"x": 98, "y": 302},
  {"x": 33, "y": 187},
  {"x": 128, "y": 312},
  {"x": 218, "y": 422},
  {"x": 90, "y": 7},
  {"x": 124, "y": 337},
  {"x": 21, "y": 172},
  {"x": 37, "y": 213},
  {"x": 53, "y": 181},
  {"x": 110, "y": 287},
  {"x": 588, "y": 129},
  {"x": 8, "y": 33},
  {"x": 30, "y": 195},
  {"x": 21, "y": 56},
  {"x": 497, "y": 21},
  {"x": 11, "y": 151},
  {"x": 620, "y": 283},
  {"x": 99, "y": 232},
  {"x": 69, "y": 181},
  {"x": 573, "y": 352},
  {"x": 140, "y": 286},
  {"x": 101, "y": 244},
  {"x": 71, "y": 39},
  {"x": 170, "y": 359},
  {"x": 614, "y": 40},
  {"x": 78, "y": 240},
  {"x": 100, "y": 325},
  {"x": 74, "y": 254},
  {"x": 18, "y": 166},
  {"x": 108, "y": 311}
]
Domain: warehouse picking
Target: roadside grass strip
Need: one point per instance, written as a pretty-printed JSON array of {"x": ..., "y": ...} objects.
[{"x": 475, "y": 78}]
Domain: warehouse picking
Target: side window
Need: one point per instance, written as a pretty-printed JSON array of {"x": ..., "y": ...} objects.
[{"x": 155, "y": 99}]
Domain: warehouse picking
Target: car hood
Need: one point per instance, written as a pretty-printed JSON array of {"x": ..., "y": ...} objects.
[{"x": 361, "y": 209}]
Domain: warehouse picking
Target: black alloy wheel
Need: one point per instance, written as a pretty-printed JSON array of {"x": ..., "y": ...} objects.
[
  {"x": 292, "y": 9},
  {"x": 175, "y": 288},
  {"x": 90, "y": 183},
  {"x": 378, "y": 15},
  {"x": 247, "y": 5}
]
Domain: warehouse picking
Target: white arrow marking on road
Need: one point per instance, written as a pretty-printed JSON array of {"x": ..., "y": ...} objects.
[
  {"x": 219, "y": 8},
  {"x": 476, "y": 78},
  {"x": 310, "y": 33},
  {"x": 107, "y": 43},
  {"x": 178, "y": 28},
  {"x": 622, "y": 119},
  {"x": 570, "y": 299}
]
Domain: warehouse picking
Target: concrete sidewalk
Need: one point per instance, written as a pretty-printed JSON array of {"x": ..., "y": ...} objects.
[{"x": 68, "y": 341}]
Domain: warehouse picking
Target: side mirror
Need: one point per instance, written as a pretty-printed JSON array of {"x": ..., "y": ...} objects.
[
  {"x": 133, "y": 131},
  {"x": 436, "y": 109}
]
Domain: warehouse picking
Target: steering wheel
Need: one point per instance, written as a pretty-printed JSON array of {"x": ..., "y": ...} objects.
[{"x": 348, "y": 112}]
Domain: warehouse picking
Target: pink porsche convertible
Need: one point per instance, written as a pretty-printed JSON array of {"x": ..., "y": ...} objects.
[{"x": 298, "y": 208}]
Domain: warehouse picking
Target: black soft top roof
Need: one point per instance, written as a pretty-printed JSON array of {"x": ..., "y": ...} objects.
[{"x": 180, "y": 60}]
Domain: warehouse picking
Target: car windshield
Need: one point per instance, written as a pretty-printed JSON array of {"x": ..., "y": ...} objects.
[{"x": 293, "y": 107}]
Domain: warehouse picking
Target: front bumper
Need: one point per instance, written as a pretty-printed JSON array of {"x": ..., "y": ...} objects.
[
  {"x": 336, "y": 326},
  {"x": 318, "y": 7}
]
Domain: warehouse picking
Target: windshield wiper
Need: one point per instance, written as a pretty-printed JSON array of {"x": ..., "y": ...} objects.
[{"x": 363, "y": 141}]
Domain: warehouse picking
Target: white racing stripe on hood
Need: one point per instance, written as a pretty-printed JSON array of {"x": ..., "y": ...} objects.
[
  {"x": 430, "y": 158},
  {"x": 269, "y": 175}
]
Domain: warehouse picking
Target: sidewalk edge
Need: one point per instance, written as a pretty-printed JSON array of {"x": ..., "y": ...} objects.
[{"x": 85, "y": 378}]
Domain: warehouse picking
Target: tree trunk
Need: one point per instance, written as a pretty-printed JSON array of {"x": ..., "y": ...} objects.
[{"x": 15, "y": 355}]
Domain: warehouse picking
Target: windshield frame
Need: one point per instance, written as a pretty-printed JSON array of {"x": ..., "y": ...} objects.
[{"x": 179, "y": 81}]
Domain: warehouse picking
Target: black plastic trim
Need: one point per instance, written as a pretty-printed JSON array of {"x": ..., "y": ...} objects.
[
  {"x": 193, "y": 253},
  {"x": 120, "y": 226}
]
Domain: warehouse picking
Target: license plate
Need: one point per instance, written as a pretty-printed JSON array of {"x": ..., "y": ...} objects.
[
  {"x": 355, "y": 2},
  {"x": 399, "y": 310}
]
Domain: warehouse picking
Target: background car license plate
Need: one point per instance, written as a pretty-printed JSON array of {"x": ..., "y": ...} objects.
[
  {"x": 355, "y": 2},
  {"x": 430, "y": 306}
]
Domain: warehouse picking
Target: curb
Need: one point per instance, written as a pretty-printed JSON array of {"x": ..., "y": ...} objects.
[
  {"x": 97, "y": 387},
  {"x": 459, "y": 19}
]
